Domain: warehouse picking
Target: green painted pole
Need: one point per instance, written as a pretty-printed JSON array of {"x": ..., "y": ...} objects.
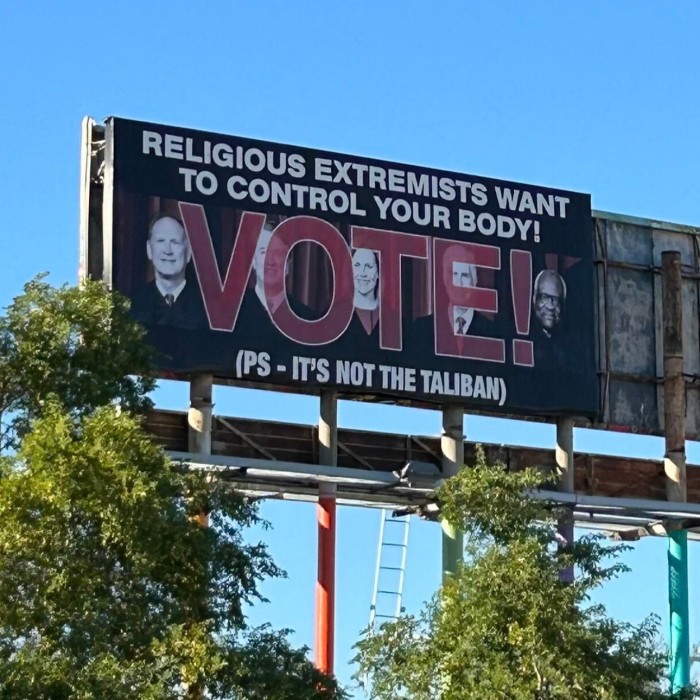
[
  {"x": 452, "y": 447},
  {"x": 678, "y": 606},
  {"x": 452, "y": 549}
]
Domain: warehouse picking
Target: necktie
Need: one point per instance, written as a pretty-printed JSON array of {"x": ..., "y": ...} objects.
[
  {"x": 460, "y": 325},
  {"x": 169, "y": 299}
]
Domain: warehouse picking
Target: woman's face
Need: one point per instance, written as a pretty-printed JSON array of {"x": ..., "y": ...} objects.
[{"x": 365, "y": 271}]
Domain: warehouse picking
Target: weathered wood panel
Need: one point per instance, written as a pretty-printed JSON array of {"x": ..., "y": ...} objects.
[{"x": 630, "y": 329}]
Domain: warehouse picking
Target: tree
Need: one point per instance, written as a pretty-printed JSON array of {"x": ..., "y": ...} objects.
[
  {"x": 73, "y": 345},
  {"x": 506, "y": 625},
  {"x": 109, "y": 588}
]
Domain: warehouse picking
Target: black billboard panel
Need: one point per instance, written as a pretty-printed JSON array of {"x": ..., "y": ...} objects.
[{"x": 290, "y": 267}]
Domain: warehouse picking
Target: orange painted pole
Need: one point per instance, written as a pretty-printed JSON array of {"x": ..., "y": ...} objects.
[
  {"x": 325, "y": 585},
  {"x": 325, "y": 513}
]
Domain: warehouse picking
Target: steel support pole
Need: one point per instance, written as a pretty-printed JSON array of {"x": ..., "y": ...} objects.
[
  {"x": 199, "y": 420},
  {"x": 678, "y": 604},
  {"x": 452, "y": 447},
  {"x": 674, "y": 466},
  {"x": 326, "y": 515},
  {"x": 199, "y": 414},
  {"x": 565, "y": 465}
]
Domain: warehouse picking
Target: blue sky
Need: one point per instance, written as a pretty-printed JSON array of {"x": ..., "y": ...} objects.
[{"x": 596, "y": 97}]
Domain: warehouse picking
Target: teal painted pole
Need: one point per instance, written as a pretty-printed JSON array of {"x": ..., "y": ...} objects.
[
  {"x": 678, "y": 606},
  {"x": 674, "y": 466}
]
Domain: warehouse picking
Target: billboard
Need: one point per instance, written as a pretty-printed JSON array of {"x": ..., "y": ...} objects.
[{"x": 283, "y": 266}]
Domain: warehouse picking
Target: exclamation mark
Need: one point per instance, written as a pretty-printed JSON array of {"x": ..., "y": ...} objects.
[{"x": 521, "y": 289}]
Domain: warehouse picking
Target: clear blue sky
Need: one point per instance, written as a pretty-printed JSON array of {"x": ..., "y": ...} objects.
[{"x": 597, "y": 97}]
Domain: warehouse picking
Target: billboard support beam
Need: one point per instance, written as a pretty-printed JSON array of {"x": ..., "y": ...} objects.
[
  {"x": 452, "y": 448},
  {"x": 199, "y": 418},
  {"x": 565, "y": 466},
  {"x": 674, "y": 466},
  {"x": 326, "y": 515},
  {"x": 200, "y": 414}
]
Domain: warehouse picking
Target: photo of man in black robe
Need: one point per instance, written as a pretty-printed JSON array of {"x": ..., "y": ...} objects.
[
  {"x": 271, "y": 264},
  {"x": 549, "y": 334},
  {"x": 172, "y": 298}
]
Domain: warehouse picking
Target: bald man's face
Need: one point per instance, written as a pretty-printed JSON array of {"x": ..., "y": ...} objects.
[
  {"x": 168, "y": 249},
  {"x": 548, "y": 301}
]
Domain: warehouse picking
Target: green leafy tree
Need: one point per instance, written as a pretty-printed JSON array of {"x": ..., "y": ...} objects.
[
  {"x": 109, "y": 587},
  {"x": 506, "y": 626},
  {"x": 73, "y": 345}
]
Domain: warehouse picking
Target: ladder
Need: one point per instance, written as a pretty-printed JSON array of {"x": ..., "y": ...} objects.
[{"x": 387, "y": 597}]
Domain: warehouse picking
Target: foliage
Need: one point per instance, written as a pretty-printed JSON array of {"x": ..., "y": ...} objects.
[
  {"x": 77, "y": 345},
  {"x": 109, "y": 586},
  {"x": 506, "y": 625}
]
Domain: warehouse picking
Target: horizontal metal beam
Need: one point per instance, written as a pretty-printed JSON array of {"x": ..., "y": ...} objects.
[
  {"x": 314, "y": 473},
  {"x": 668, "y": 509},
  {"x": 262, "y": 478},
  {"x": 271, "y": 478}
]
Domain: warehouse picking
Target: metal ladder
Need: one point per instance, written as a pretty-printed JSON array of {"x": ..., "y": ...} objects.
[{"x": 389, "y": 576}]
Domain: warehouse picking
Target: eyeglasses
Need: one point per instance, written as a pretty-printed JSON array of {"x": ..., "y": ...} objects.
[{"x": 543, "y": 299}]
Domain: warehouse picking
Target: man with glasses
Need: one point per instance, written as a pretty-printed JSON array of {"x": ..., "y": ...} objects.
[
  {"x": 551, "y": 335},
  {"x": 548, "y": 300}
]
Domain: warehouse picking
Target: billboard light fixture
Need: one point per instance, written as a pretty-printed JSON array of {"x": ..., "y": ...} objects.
[{"x": 417, "y": 474}]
